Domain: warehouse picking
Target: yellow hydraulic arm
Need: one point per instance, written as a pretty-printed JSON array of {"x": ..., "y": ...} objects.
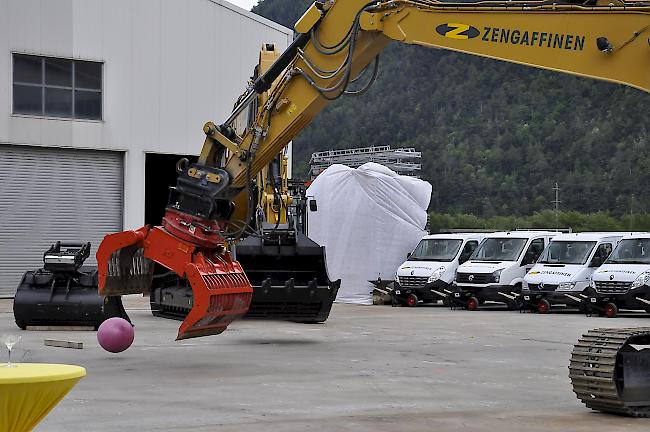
[{"x": 338, "y": 40}]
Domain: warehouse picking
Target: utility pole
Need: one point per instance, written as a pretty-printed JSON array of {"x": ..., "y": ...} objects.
[{"x": 556, "y": 204}]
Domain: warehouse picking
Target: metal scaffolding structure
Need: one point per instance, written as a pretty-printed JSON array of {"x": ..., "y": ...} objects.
[{"x": 404, "y": 161}]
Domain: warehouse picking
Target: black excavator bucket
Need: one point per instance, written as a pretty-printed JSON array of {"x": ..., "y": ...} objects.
[
  {"x": 289, "y": 280},
  {"x": 63, "y": 293}
]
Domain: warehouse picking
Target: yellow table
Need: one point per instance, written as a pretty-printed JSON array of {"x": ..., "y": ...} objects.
[{"x": 29, "y": 391}]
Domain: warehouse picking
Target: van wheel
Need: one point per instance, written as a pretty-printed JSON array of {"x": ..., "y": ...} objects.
[
  {"x": 472, "y": 304},
  {"x": 543, "y": 306},
  {"x": 611, "y": 310},
  {"x": 412, "y": 300}
]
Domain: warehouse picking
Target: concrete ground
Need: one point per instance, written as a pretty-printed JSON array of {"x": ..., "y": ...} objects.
[{"x": 369, "y": 368}]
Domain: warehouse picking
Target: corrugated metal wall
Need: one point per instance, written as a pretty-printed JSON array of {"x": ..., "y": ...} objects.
[{"x": 49, "y": 194}]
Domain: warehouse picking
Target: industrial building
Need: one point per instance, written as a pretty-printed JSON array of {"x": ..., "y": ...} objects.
[{"x": 100, "y": 99}]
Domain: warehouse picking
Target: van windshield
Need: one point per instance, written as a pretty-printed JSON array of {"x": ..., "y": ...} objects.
[
  {"x": 631, "y": 251},
  {"x": 499, "y": 249},
  {"x": 567, "y": 252},
  {"x": 436, "y": 250}
]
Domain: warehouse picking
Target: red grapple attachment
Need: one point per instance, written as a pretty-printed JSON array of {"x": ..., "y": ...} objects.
[
  {"x": 221, "y": 290},
  {"x": 122, "y": 266},
  {"x": 222, "y": 294}
]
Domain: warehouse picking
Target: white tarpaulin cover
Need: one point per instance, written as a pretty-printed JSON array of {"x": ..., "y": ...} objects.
[{"x": 368, "y": 219}]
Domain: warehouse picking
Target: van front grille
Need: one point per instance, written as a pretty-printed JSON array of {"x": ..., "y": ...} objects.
[
  {"x": 412, "y": 281},
  {"x": 612, "y": 287},
  {"x": 474, "y": 278}
]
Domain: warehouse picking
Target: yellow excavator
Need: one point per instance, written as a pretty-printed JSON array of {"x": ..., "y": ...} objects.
[
  {"x": 335, "y": 53},
  {"x": 286, "y": 269}
]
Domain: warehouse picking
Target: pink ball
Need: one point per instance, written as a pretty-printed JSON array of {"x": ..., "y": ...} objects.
[{"x": 115, "y": 335}]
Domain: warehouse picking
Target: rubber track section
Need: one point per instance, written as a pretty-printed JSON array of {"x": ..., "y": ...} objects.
[{"x": 593, "y": 370}]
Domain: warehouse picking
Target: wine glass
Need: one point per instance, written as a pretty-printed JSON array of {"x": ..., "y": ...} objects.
[{"x": 10, "y": 340}]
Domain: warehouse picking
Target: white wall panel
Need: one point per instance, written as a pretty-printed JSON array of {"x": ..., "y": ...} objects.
[
  {"x": 204, "y": 76},
  {"x": 85, "y": 133},
  {"x": 57, "y": 28},
  {"x": 145, "y": 71},
  {"x": 55, "y": 133},
  {"x": 173, "y": 76},
  {"x": 25, "y": 130},
  {"x": 88, "y": 29},
  {"x": 118, "y": 83},
  {"x": 25, "y": 25}
]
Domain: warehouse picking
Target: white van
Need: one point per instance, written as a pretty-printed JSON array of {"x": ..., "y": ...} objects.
[
  {"x": 562, "y": 274},
  {"x": 428, "y": 272},
  {"x": 496, "y": 269},
  {"x": 623, "y": 281}
]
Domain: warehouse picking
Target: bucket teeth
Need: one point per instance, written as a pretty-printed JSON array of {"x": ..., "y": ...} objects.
[{"x": 129, "y": 272}]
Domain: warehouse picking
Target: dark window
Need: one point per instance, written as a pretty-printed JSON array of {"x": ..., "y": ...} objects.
[
  {"x": 57, "y": 87},
  {"x": 534, "y": 251},
  {"x": 28, "y": 100},
  {"x": 603, "y": 251},
  {"x": 88, "y": 105},
  {"x": 88, "y": 75},
  {"x": 436, "y": 249},
  {"x": 468, "y": 250},
  {"x": 28, "y": 69},
  {"x": 58, "y": 72},
  {"x": 58, "y": 102}
]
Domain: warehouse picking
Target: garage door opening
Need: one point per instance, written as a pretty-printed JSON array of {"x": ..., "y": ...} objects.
[{"x": 160, "y": 174}]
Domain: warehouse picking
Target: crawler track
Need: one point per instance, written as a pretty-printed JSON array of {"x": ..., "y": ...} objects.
[{"x": 608, "y": 374}]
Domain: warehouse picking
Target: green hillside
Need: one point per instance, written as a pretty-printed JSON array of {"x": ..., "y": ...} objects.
[{"x": 495, "y": 137}]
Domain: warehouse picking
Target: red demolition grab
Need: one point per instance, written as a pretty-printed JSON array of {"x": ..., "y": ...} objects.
[{"x": 222, "y": 292}]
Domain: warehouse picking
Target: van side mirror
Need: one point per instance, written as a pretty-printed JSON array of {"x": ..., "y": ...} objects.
[
  {"x": 408, "y": 255},
  {"x": 312, "y": 205}
]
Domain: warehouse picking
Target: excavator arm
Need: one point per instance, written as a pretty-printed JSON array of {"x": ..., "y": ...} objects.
[
  {"x": 336, "y": 53},
  {"x": 603, "y": 42}
]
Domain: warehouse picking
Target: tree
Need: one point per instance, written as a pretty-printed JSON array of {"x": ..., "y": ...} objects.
[{"x": 495, "y": 136}]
